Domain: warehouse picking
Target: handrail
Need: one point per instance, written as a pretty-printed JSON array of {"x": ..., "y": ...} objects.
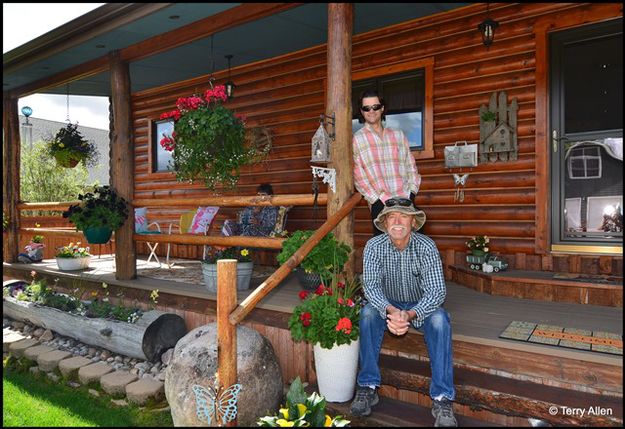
[
  {"x": 268, "y": 285},
  {"x": 223, "y": 201}
]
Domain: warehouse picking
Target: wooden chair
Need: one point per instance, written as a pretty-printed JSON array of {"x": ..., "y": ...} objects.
[{"x": 143, "y": 227}]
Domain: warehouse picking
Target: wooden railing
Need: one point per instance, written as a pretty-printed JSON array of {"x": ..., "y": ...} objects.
[{"x": 229, "y": 314}]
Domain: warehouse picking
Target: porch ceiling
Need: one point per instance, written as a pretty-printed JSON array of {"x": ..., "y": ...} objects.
[{"x": 117, "y": 26}]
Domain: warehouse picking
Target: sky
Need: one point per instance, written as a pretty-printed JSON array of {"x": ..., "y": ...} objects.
[{"x": 23, "y": 22}]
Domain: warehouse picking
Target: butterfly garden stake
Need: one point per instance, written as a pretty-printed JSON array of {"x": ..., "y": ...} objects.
[
  {"x": 216, "y": 403},
  {"x": 460, "y": 181}
]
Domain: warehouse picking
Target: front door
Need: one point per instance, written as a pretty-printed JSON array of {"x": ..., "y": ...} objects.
[{"x": 586, "y": 148}]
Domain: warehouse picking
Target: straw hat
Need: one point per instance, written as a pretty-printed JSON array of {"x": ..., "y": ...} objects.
[{"x": 410, "y": 210}]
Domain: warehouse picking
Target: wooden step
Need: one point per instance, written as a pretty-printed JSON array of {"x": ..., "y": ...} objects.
[
  {"x": 394, "y": 413},
  {"x": 503, "y": 395},
  {"x": 542, "y": 286}
]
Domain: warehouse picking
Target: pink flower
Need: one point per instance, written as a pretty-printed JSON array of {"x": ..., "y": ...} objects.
[
  {"x": 305, "y": 318},
  {"x": 320, "y": 290},
  {"x": 350, "y": 303},
  {"x": 340, "y": 285},
  {"x": 303, "y": 294},
  {"x": 168, "y": 143},
  {"x": 344, "y": 325},
  {"x": 340, "y": 301}
]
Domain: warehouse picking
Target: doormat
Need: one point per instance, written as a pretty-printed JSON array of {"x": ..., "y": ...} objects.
[{"x": 579, "y": 339}]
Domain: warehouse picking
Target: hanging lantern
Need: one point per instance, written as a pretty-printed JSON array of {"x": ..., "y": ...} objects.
[
  {"x": 229, "y": 84},
  {"x": 321, "y": 141},
  {"x": 487, "y": 29}
]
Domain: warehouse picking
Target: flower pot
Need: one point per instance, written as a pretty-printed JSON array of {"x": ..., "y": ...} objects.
[
  {"x": 98, "y": 235},
  {"x": 308, "y": 281},
  {"x": 66, "y": 163},
  {"x": 71, "y": 264},
  {"x": 244, "y": 275},
  {"x": 336, "y": 371}
]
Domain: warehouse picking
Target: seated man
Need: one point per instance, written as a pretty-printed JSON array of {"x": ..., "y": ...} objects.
[
  {"x": 257, "y": 221},
  {"x": 404, "y": 285}
]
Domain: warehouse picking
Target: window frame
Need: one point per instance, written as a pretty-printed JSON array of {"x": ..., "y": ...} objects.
[{"x": 153, "y": 139}]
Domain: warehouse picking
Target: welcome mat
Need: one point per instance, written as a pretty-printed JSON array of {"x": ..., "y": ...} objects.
[{"x": 580, "y": 339}]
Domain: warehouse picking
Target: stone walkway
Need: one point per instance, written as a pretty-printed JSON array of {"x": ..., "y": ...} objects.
[{"x": 68, "y": 361}]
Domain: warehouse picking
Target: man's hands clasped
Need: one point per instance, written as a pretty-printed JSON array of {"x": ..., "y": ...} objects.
[{"x": 397, "y": 321}]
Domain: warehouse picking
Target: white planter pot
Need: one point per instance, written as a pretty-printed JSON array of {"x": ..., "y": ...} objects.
[
  {"x": 244, "y": 275},
  {"x": 71, "y": 264},
  {"x": 336, "y": 371}
]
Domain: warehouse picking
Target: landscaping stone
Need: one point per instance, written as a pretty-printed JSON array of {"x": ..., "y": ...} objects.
[
  {"x": 50, "y": 361},
  {"x": 69, "y": 367},
  {"x": 52, "y": 376},
  {"x": 34, "y": 370},
  {"x": 9, "y": 337},
  {"x": 33, "y": 353},
  {"x": 93, "y": 372},
  {"x": 139, "y": 392},
  {"x": 94, "y": 392},
  {"x": 47, "y": 336},
  {"x": 195, "y": 362},
  {"x": 17, "y": 349},
  {"x": 114, "y": 383},
  {"x": 119, "y": 402}
]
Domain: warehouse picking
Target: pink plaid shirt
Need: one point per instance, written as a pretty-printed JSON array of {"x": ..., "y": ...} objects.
[{"x": 384, "y": 168}]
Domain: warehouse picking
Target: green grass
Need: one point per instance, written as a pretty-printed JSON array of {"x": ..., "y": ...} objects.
[{"x": 30, "y": 400}]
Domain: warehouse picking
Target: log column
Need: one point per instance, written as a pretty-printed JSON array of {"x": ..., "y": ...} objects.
[
  {"x": 10, "y": 175},
  {"x": 122, "y": 165},
  {"x": 338, "y": 101}
]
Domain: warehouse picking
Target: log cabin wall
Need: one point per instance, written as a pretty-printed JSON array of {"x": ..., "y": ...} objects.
[{"x": 286, "y": 94}]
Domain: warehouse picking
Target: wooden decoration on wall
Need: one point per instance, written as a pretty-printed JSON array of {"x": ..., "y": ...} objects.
[{"x": 498, "y": 129}]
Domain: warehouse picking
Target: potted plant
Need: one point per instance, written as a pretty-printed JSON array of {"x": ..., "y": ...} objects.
[
  {"x": 325, "y": 259},
  {"x": 69, "y": 147},
  {"x": 328, "y": 319},
  {"x": 302, "y": 410},
  {"x": 245, "y": 266},
  {"x": 478, "y": 245},
  {"x": 72, "y": 257},
  {"x": 210, "y": 142},
  {"x": 98, "y": 214}
]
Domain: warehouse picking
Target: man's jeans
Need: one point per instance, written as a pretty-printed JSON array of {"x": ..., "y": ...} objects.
[{"x": 437, "y": 330}]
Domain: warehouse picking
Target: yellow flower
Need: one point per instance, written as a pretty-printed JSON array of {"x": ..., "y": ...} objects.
[
  {"x": 245, "y": 252},
  {"x": 61, "y": 145},
  {"x": 285, "y": 423},
  {"x": 328, "y": 422},
  {"x": 285, "y": 412},
  {"x": 301, "y": 409}
]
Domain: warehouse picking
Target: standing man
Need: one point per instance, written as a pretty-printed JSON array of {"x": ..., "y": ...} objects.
[
  {"x": 404, "y": 285},
  {"x": 383, "y": 163}
]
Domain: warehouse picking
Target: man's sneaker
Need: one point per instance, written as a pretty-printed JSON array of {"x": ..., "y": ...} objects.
[
  {"x": 366, "y": 398},
  {"x": 443, "y": 412}
]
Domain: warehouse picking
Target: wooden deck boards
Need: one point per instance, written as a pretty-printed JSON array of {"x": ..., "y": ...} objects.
[{"x": 476, "y": 317}]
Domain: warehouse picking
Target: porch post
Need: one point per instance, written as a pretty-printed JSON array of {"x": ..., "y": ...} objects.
[
  {"x": 122, "y": 165},
  {"x": 338, "y": 101},
  {"x": 10, "y": 175}
]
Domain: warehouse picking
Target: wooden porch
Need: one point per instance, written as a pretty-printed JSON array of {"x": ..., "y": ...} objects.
[{"x": 498, "y": 381}]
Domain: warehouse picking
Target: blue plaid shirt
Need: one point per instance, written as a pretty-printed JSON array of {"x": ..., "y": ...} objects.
[{"x": 414, "y": 274}]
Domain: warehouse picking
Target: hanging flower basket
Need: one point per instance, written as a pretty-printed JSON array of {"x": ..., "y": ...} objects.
[
  {"x": 69, "y": 147},
  {"x": 210, "y": 142}
]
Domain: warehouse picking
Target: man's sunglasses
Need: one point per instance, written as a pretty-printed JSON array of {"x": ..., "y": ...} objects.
[
  {"x": 375, "y": 108},
  {"x": 392, "y": 202}
]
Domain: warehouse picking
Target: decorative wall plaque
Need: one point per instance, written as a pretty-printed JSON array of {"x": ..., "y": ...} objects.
[{"x": 498, "y": 129}]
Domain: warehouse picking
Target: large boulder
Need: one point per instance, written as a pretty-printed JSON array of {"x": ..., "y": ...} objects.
[{"x": 194, "y": 361}]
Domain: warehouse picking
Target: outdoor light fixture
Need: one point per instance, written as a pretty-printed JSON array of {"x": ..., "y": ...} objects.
[
  {"x": 229, "y": 84},
  {"x": 27, "y": 111},
  {"x": 487, "y": 29},
  {"x": 320, "y": 150}
]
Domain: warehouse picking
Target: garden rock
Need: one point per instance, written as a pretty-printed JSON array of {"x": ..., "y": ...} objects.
[
  {"x": 10, "y": 337},
  {"x": 18, "y": 348},
  {"x": 141, "y": 391},
  {"x": 93, "y": 373},
  {"x": 194, "y": 361},
  {"x": 50, "y": 361},
  {"x": 33, "y": 353},
  {"x": 115, "y": 383},
  {"x": 47, "y": 336}
]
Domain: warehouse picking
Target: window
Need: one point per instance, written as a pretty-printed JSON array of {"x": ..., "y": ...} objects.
[
  {"x": 407, "y": 91},
  {"x": 161, "y": 157},
  {"x": 585, "y": 163}
]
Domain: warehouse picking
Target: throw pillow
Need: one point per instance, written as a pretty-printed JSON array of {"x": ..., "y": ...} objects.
[
  {"x": 141, "y": 220},
  {"x": 202, "y": 219},
  {"x": 280, "y": 221}
]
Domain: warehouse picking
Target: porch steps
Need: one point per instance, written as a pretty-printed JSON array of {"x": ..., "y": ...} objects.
[
  {"x": 597, "y": 289},
  {"x": 506, "y": 396},
  {"x": 394, "y": 413}
]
